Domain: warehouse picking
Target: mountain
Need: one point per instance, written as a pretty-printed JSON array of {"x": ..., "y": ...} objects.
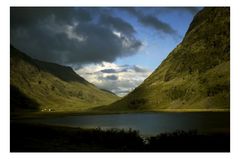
[
  {"x": 42, "y": 86},
  {"x": 194, "y": 76}
]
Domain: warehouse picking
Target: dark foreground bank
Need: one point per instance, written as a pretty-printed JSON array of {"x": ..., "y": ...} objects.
[{"x": 43, "y": 138}]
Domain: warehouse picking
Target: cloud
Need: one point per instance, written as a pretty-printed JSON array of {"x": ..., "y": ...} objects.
[
  {"x": 157, "y": 24},
  {"x": 117, "y": 23},
  {"x": 71, "y": 35},
  {"x": 140, "y": 11},
  {"x": 112, "y": 77},
  {"x": 151, "y": 21},
  {"x": 26, "y": 16},
  {"x": 120, "y": 79},
  {"x": 133, "y": 11},
  {"x": 108, "y": 71},
  {"x": 76, "y": 36}
]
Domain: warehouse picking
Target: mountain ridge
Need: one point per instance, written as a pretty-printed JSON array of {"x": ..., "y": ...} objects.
[{"x": 45, "y": 86}]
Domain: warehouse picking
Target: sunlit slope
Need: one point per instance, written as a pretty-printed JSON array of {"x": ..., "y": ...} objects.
[
  {"x": 195, "y": 75},
  {"x": 42, "y": 86}
]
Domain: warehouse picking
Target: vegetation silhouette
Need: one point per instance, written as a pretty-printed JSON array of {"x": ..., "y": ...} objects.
[{"x": 44, "y": 138}]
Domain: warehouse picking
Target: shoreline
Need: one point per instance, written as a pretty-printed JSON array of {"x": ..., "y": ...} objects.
[{"x": 29, "y": 115}]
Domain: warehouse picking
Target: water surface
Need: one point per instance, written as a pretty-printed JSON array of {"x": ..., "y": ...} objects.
[{"x": 148, "y": 123}]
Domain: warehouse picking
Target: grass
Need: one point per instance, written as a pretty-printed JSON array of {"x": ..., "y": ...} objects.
[{"x": 44, "y": 138}]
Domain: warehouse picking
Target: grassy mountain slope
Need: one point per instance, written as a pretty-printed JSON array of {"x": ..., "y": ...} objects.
[
  {"x": 38, "y": 86},
  {"x": 195, "y": 75}
]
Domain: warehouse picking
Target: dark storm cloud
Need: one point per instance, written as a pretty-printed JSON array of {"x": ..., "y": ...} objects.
[
  {"x": 139, "y": 11},
  {"x": 117, "y": 23},
  {"x": 109, "y": 71},
  {"x": 71, "y": 35},
  {"x": 21, "y": 16},
  {"x": 132, "y": 11},
  {"x": 155, "y": 23},
  {"x": 137, "y": 69},
  {"x": 151, "y": 21}
]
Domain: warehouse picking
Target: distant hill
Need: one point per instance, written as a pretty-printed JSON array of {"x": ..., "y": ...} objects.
[
  {"x": 194, "y": 76},
  {"x": 44, "y": 86}
]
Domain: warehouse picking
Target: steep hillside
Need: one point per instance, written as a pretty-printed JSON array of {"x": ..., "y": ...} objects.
[
  {"x": 42, "y": 86},
  {"x": 195, "y": 75}
]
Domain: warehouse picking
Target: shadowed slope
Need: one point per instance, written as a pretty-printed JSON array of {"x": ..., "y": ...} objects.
[
  {"x": 20, "y": 101},
  {"x": 53, "y": 87}
]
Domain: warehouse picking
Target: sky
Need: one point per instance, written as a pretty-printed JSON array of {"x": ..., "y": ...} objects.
[{"x": 113, "y": 48}]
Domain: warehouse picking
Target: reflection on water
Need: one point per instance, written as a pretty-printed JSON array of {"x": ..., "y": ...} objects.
[{"x": 148, "y": 123}]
